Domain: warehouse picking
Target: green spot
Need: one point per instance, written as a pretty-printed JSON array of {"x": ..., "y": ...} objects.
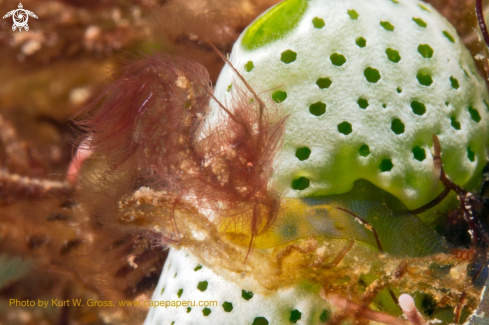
[
  {"x": 353, "y": 14},
  {"x": 189, "y": 309},
  {"x": 486, "y": 104},
  {"x": 372, "y": 75},
  {"x": 260, "y": 321},
  {"x": 454, "y": 82},
  {"x": 172, "y": 323},
  {"x": 418, "y": 108},
  {"x": 249, "y": 66},
  {"x": 202, "y": 286},
  {"x": 423, "y": 7},
  {"x": 399, "y": 90},
  {"x": 420, "y": 22},
  {"x": 425, "y": 50},
  {"x": 198, "y": 267},
  {"x": 227, "y": 306},
  {"x": 275, "y": 24},
  {"x": 393, "y": 55},
  {"x": 384, "y": 105},
  {"x": 455, "y": 124},
  {"x": 387, "y": 26},
  {"x": 364, "y": 150},
  {"x": 386, "y": 165},
  {"x": 317, "y": 109},
  {"x": 397, "y": 126},
  {"x": 337, "y": 59},
  {"x": 318, "y": 23},
  {"x": 299, "y": 184},
  {"x": 175, "y": 274},
  {"x": 179, "y": 293},
  {"x": 206, "y": 311},
  {"x": 162, "y": 290},
  {"x": 303, "y": 153},
  {"x": 325, "y": 315},
  {"x": 470, "y": 154},
  {"x": 363, "y": 103},
  {"x": 361, "y": 42},
  {"x": 345, "y": 128},
  {"x": 395, "y": 1},
  {"x": 295, "y": 315},
  {"x": 424, "y": 79},
  {"x": 474, "y": 114},
  {"x": 247, "y": 295},
  {"x": 288, "y": 56},
  {"x": 279, "y": 96},
  {"x": 419, "y": 153},
  {"x": 323, "y": 83},
  {"x": 230, "y": 87},
  {"x": 450, "y": 37}
]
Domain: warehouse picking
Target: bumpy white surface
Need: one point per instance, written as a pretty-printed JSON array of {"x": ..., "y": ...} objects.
[
  {"x": 180, "y": 273},
  {"x": 335, "y": 163}
]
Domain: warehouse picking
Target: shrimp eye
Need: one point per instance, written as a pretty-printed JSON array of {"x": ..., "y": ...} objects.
[{"x": 249, "y": 165}]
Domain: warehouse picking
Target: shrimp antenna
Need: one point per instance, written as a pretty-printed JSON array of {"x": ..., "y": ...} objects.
[
  {"x": 482, "y": 22},
  {"x": 240, "y": 76}
]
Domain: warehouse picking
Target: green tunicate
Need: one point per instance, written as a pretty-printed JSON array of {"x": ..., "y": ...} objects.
[
  {"x": 353, "y": 14},
  {"x": 455, "y": 124},
  {"x": 425, "y": 50},
  {"x": 418, "y": 108},
  {"x": 424, "y": 7},
  {"x": 345, "y": 128},
  {"x": 474, "y": 114},
  {"x": 279, "y": 96},
  {"x": 364, "y": 150},
  {"x": 454, "y": 83},
  {"x": 363, "y": 103},
  {"x": 424, "y": 79},
  {"x": 337, "y": 59},
  {"x": 249, "y": 66},
  {"x": 318, "y": 22},
  {"x": 300, "y": 183},
  {"x": 386, "y": 165},
  {"x": 387, "y": 26},
  {"x": 450, "y": 38},
  {"x": 397, "y": 126},
  {"x": 206, "y": 311},
  {"x": 323, "y": 83},
  {"x": 470, "y": 154},
  {"x": 420, "y": 22},
  {"x": 227, "y": 306},
  {"x": 303, "y": 153},
  {"x": 372, "y": 75},
  {"x": 317, "y": 109},
  {"x": 361, "y": 42},
  {"x": 288, "y": 56},
  {"x": 393, "y": 55},
  {"x": 202, "y": 286},
  {"x": 247, "y": 295},
  {"x": 419, "y": 153},
  {"x": 260, "y": 321},
  {"x": 274, "y": 24},
  {"x": 295, "y": 316}
]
